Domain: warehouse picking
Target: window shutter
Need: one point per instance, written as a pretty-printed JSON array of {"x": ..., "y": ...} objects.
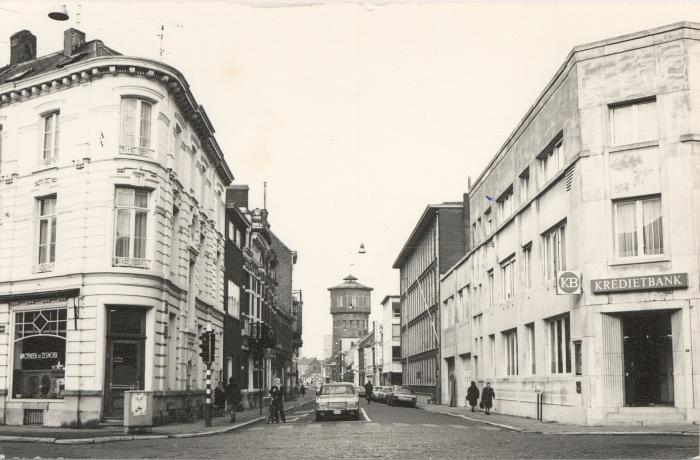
[{"x": 569, "y": 178}]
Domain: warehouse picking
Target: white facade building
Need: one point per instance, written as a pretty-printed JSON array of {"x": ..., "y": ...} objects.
[
  {"x": 581, "y": 281},
  {"x": 111, "y": 232},
  {"x": 391, "y": 340}
]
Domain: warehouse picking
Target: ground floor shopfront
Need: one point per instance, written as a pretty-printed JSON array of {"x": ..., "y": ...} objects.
[
  {"x": 616, "y": 363},
  {"x": 72, "y": 353}
]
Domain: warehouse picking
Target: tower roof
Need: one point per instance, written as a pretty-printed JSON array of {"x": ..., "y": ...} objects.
[{"x": 350, "y": 282}]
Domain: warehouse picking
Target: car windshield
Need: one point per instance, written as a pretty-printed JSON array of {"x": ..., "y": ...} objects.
[
  {"x": 404, "y": 390},
  {"x": 337, "y": 390}
]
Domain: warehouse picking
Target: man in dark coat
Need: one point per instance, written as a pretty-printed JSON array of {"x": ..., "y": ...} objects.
[
  {"x": 487, "y": 397},
  {"x": 302, "y": 390},
  {"x": 233, "y": 398},
  {"x": 368, "y": 390},
  {"x": 277, "y": 395},
  {"x": 473, "y": 395}
]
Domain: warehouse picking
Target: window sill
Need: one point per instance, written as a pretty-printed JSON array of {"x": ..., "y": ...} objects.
[
  {"x": 634, "y": 146},
  {"x": 35, "y": 400},
  {"x": 45, "y": 164},
  {"x": 638, "y": 260},
  {"x": 131, "y": 262}
]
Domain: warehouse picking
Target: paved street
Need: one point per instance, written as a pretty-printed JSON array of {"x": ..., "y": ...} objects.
[{"x": 383, "y": 432}]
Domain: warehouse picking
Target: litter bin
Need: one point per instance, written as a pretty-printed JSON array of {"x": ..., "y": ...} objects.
[{"x": 138, "y": 411}]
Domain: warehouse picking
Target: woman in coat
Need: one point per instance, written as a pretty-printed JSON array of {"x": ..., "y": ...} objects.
[
  {"x": 487, "y": 397},
  {"x": 472, "y": 395}
]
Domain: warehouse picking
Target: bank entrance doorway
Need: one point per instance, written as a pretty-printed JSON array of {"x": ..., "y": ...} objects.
[
  {"x": 648, "y": 357},
  {"x": 124, "y": 366}
]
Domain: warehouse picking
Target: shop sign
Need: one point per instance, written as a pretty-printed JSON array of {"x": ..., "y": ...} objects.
[
  {"x": 640, "y": 283},
  {"x": 569, "y": 283},
  {"x": 41, "y": 355}
]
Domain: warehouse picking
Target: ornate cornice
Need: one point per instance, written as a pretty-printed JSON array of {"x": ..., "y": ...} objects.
[{"x": 98, "y": 67}]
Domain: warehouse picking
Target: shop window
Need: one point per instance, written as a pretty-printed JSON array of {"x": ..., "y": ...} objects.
[{"x": 39, "y": 354}]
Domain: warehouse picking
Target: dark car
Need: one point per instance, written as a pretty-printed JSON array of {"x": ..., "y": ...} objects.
[{"x": 401, "y": 395}]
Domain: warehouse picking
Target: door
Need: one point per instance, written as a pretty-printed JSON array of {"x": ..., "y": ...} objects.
[
  {"x": 125, "y": 372},
  {"x": 648, "y": 358}
]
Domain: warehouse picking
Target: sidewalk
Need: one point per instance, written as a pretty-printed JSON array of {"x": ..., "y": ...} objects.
[
  {"x": 530, "y": 425},
  {"x": 10, "y": 433}
]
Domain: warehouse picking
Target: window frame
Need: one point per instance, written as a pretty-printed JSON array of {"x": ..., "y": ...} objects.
[
  {"x": 553, "y": 153},
  {"x": 558, "y": 264},
  {"x": 635, "y": 103},
  {"x": 508, "y": 284},
  {"x": 138, "y": 124},
  {"x": 510, "y": 351},
  {"x": 51, "y": 233},
  {"x": 49, "y": 154},
  {"x": 558, "y": 350},
  {"x": 639, "y": 228},
  {"x": 131, "y": 259}
]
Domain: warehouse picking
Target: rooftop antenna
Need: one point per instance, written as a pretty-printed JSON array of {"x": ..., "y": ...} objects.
[
  {"x": 161, "y": 36},
  {"x": 77, "y": 15},
  {"x": 469, "y": 183},
  {"x": 264, "y": 195}
]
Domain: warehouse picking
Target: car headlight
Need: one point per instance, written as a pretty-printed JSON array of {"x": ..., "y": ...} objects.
[
  {"x": 322, "y": 405},
  {"x": 353, "y": 404}
]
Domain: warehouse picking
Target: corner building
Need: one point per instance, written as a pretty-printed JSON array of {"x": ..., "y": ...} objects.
[
  {"x": 599, "y": 178},
  {"x": 111, "y": 235}
]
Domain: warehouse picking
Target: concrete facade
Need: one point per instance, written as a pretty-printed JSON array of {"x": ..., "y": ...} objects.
[
  {"x": 600, "y": 179},
  {"x": 176, "y": 283}
]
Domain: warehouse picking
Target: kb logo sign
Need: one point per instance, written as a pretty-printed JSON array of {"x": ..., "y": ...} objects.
[{"x": 569, "y": 283}]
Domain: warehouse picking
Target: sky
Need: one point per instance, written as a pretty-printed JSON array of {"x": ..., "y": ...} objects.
[{"x": 357, "y": 115}]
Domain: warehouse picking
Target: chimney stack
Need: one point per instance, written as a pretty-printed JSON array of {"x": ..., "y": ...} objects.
[
  {"x": 22, "y": 47},
  {"x": 238, "y": 195},
  {"x": 73, "y": 39}
]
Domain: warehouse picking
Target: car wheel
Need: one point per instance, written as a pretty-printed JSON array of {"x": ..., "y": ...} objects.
[
  {"x": 413, "y": 404},
  {"x": 390, "y": 402},
  {"x": 356, "y": 416},
  {"x": 319, "y": 416}
]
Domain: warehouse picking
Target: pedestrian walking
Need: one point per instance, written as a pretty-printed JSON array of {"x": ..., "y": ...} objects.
[
  {"x": 233, "y": 398},
  {"x": 368, "y": 391},
  {"x": 220, "y": 396},
  {"x": 487, "y": 397},
  {"x": 302, "y": 390},
  {"x": 277, "y": 395},
  {"x": 473, "y": 395}
]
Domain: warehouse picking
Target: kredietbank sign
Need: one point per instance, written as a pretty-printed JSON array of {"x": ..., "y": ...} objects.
[{"x": 640, "y": 283}]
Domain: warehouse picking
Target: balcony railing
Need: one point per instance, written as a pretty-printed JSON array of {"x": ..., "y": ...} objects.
[
  {"x": 131, "y": 262},
  {"x": 136, "y": 151},
  {"x": 43, "y": 268}
]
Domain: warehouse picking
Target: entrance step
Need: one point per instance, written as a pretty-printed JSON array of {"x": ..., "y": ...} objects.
[
  {"x": 645, "y": 416},
  {"x": 112, "y": 421}
]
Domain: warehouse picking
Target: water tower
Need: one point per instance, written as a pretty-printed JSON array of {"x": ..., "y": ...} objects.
[{"x": 350, "y": 306}]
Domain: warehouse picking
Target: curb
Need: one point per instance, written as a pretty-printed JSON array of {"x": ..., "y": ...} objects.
[
  {"x": 105, "y": 439},
  {"x": 576, "y": 433}
]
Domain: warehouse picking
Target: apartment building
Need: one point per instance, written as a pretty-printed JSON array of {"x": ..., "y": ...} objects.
[
  {"x": 391, "y": 340},
  {"x": 111, "y": 232},
  {"x": 581, "y": 281}
]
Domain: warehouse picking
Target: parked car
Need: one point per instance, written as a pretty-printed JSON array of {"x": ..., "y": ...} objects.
[
  {"x": 375, "y": 393},
  {"x": 360, "y": 390},
  {"x": 381, "y": 397},
  {"x": 337, "y": 399},
  {"x": 402, "y": 395}
]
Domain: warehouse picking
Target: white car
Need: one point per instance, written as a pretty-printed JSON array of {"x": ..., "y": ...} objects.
[{"x": 337, "y": 399}]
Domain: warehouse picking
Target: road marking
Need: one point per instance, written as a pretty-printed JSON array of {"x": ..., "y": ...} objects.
[
  {"x": 364, "y": 414},
  {"x": 400, "y": 424}
]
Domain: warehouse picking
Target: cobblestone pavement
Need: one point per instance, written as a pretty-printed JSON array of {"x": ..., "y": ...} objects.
[{"x": 383, "y": 432}]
